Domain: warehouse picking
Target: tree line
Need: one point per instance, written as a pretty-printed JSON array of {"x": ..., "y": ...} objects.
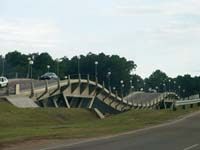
[{"x": 115, "y": 71}]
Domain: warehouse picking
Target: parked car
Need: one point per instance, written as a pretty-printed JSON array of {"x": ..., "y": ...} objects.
[
  {"x": 48, "y": 76},
  {"x": 3, "y": 81}
]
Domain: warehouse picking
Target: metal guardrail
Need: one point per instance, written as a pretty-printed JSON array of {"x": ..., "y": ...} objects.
[{"x": 187, "y": 102}]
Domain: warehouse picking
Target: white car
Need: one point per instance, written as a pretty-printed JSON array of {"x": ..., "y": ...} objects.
[{"x": 3, "y": 81}]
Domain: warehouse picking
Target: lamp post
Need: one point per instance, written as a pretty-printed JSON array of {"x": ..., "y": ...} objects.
[
  {"x": 3, "y": 63},
  {"x": 48, "y": 67},
  {"x": 122, "y": 86},
  {"x": 109, "y": 74},
  {"x": 179, "y": 90},
  {"x": 57, "y": 66},
  {"x": 31, "y": 67},
  {"x": 157, "y": 88},
  {"x": 28, "y": 72},
  {"x": 78, "y": 57},
  {"x": 114, "y": 89},
  {"x": 164, "y": 87},
  {"x": 131, "y": 84},
  {"x": 174, "y": 86},
  {"x": 184, "y": 93},
  {"x": 96, "y": 71},
  {"x": 169, "y": 85},
  {"x": 132, "y": 88},
  {"x": 138, "y": 84}
]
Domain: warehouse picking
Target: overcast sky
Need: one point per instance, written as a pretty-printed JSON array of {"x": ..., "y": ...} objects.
[{"x": 156, "y": 34}]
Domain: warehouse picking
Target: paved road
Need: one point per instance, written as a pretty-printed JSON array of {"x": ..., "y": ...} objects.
[
  {"x": 25, "y": 84},
  {"x": 182, "y": 135}
]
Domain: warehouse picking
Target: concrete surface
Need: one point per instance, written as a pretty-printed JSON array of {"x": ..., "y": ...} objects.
[{"x": 21, "y": 101}]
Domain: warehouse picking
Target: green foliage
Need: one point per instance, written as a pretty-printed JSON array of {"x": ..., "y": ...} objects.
[
  {"x": 21, "y": 124},
  {"x": 119, "y": 67},
  {"x": 16, "y": 64}
]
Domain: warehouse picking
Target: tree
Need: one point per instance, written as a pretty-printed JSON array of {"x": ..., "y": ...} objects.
[{"x": 157, "y": 79}]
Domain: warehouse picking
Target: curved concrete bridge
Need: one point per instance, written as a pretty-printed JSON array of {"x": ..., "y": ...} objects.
[{"x": 84, "y": 93}]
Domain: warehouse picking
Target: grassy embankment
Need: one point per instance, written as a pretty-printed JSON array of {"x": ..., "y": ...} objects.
[{"x": 25, "y": 124}]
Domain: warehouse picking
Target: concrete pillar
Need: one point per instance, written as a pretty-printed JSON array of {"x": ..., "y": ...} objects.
[
  {"x": 183, "y": 107},
  {"x": 44, "y": 103},
  {"x": 81, "y": 103},
  {"x": 17, "y": 89},
  {"x": 66, "y": 100},
  {"x": 55, "y": 102},
  {"x": 165, "y": 106},
  {"x": 191, "y": 105},
  {"x": 91, "y": 102}
]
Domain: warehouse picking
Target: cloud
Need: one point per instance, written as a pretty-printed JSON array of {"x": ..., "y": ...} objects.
[
  {"x": 171, "y": 8},
  {"x": 25, "y": 33}
]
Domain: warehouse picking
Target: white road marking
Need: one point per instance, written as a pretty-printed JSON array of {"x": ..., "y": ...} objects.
[{"x": 191, "y": 147}]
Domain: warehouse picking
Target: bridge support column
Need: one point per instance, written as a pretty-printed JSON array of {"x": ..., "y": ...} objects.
[
  {"x": 55, "y": 102},
  {"x": 191, "y": 105},
  {"x": 91, "y": 102},
  {"x": 66, "y": 100},
  {"x": 44, "y": 103},
  {"x": 81, "y": 103}
]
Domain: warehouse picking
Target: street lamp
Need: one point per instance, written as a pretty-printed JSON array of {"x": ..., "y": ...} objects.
[
  {"x": 3, "y": 62},
  {"x": 57, "y": 68},
  {"x": 174, "y": 86},
  {"x": 164, "y": 87},
  {"x": 28, "y": 73},
  {"x": 78, "y": 57},
  {"x": 131, "y": 84},
  {"x": 179, "y": 90},
  {"x": 122, "y": 85},
  {"x": 31, "y": 67},
  {"x": 132, "y": 88},
  {"x": 157, "y": 89},
  {"x": 169, "y": 85},
  {"x": 184, "y": 93},
  {"x": 96, "y": 72},
  {"x": 138, "y": 84},
  {"x": 48, "y": 67},
  {"x": 109, "y": 74}
]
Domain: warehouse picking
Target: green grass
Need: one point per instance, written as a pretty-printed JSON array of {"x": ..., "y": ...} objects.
[{"x": 25, "y": 124}]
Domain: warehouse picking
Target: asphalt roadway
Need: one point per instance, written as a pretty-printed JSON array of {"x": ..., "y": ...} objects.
[{"x": 183, "y": 134}]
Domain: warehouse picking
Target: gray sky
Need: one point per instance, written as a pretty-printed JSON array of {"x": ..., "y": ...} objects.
[{"x": 156, "y": 34}]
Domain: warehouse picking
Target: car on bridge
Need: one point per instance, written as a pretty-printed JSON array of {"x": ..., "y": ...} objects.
[
  {"x": 3, "y": 81},
  {"x": 49, "y": 76}
]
